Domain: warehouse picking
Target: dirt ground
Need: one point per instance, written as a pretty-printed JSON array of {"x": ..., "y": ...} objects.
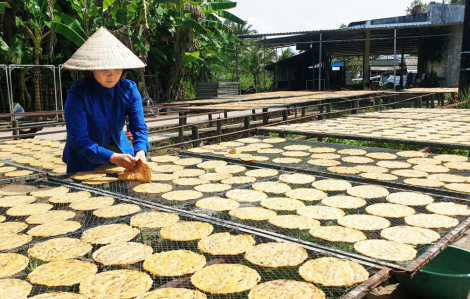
[{"x": 392, "y": 290}]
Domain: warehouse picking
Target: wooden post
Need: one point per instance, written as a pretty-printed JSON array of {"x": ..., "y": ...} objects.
[
  {"x": 246, "y": 125},
  {"x": 285, "y": 117},
  {"x": 433, "y": 105},
  {"x": 219, "y": 129},
  {"x": 396, "y": 98},
  {"x": 195, "y": 135},
  {"x": 15, "y": 125},
  {"x": 288, "y": 110},
  {"x": 185, "y": 119},
  {"x": 302, "y": 113},
  {"x": 427, "y": 102},
  {"x": 328, "y": 110},
  {"x": 265, "y": 116},
  {"x": 181, "y": 129},
  {"x": 320, "y": 117},
  {"x": 210, "y": 119},
  {"x": 254, "y": 114},
  {"x": 355, "y": 104},
  {"x": 225, "y": 114}
]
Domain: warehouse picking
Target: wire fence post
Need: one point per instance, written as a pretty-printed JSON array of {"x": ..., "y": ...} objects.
[
  {"x": 328, "y": 110},
  {"x": 195, "y": 135},
  {"x": 180, "y": 128},
  {"x": 219, "y": 129},
  {"x": 246, "y": 125},
  {"x": 265, "y": 116}
]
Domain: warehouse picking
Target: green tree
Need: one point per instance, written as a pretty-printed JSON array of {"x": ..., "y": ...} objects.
[
  {"x": 413, "y": 4},
  {"x": 287, "y": 53}
]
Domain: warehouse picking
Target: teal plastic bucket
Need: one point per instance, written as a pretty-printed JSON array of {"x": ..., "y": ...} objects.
[{"x": 447, "y": 276}]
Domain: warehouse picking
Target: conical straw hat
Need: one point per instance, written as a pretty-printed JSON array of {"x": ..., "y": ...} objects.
[{"x": 103, "y": 51}]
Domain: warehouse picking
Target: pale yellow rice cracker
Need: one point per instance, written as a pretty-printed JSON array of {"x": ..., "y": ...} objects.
[
  {"x": 389, "y": 210},
  {"x": 297, "y": 147},
  {"x": 249, "y": 140},
  {"x": 152, "y": 188},
  {"x": 424, "y": 182},
  {"x": 458, "y": 165},
  {"x": 448, "y": 178},
  {"x": 297, "y": 178},
  {"x": 410, "y": 198},
  {"x": 189, "y": 181},
  {"x": 371, "y": 169},
  {"x": 226, "y": 244},
  {"x": 252, "y": 213},
  {"x": 58, "y": 249},
  {"x": 62, "y": 273},
  {"x": 85, "y": 175},
  {"x": 275, "y": 255},
  {"x": 118, "y": 210},
  {"x": 215, "y": 176},
  {"x": 28, "y": 209},
  {"x": 154, "y": 219},
  {"x": 172, "y": 293},
  {"x": 364, "y": 222},
  {"x": 294, "y": 222},
  {"x": 412, "y": 154},
  {"x": 111, "y": 233},
  {"x": 16, "y": 200},
  {"x": 186, "y": 231},
  {"x": 116, "y": 284},
  {"x": 212, "y": 187},
  {"x": 231, "y": 144},
  {"x": 331, "y": 271},
  {"x": 225, "y": 279},
  {"x": 163, "y": 177},
  {"x": 12, "y": 263},
  {"x": 352, "y": 152},
  {"x": 246, "y": 195},
  {"x": 344, "y": 202},
  {"x": 459, "y": 187},
  {"x": 187, "y": 173},
  {"x": 410, "y": 235},
  {"x": 295, "y": 154},
  {"x": 381, "y": 156},
  {"x": 394, "y": 164},
  {"x": 451, "y": 158},
  {"x": 282, "y": 204},
  {"x": 332, "y": 185},
  {"x": 49, "y": 216},
  {"x": 231, "y": 169},
  {"x": 324, "y": 163},
  {"x": 343, "y": 170},
  {"x": 338, "y": 234},
  {"x": 255, "y": 158},
  {"x": 357, "y": 160},
  {"x": 122, "y": 253},
  {"x": 239, "y": 180},
  {"x": 286, "y": 289},
  {"x": 92, "y": 203},
  {"x": 386, "y": 250},
  {"x": 321, "y": 212},
  {"x": 199, "y": 150},
  {"x": 182, "y": 195},
  {"x": 271, "y": 187},
  {"x": 167, "y": 168},
  {"x": 379, "y": 176},
  {"x": 449, "y": 209},
  {"x": 11, "y": 241},
  {"x": 270, "y": 151},
  {"x": 306, "y": 194},
  {"x": 14, "y": 289},
  {"x": 325, "y": 156},
  {"x": 424, "y": 161},
  {"x": 5, "y": 169},
  {"x": 70, "y": 197},
  {"x": 12, "y": 227},
  {"x": 287, "y": 161},
  {"x": 211, "y": 164},
  {"x": 188, "y": 161},
  {"x": 59, "y": 295},
  {"x": 410, "y": 173},
  {"x": 431, "y": 221},
  {"x": 368, "y": 191},
  {"x": 17, "y": 189},
  {"x": 18, "y": 173},
  {"x": 322, "y": 150},
  {"x": 262, "y": 173},
  {"x": 54, "y": 228},
  {"x": 273, "y": 140},
  {"x": 432, "y": 168},
  {"x": 164, "y": 159},
  {"x": 217, "y": 203}
]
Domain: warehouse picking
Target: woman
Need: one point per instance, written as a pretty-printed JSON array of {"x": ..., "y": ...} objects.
[{"x": 97, "y": 106}]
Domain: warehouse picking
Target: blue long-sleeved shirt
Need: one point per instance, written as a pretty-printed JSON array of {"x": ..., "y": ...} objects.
[{"x": 94, "y": 115}]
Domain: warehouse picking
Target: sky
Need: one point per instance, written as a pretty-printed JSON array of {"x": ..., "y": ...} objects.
[{"x": 273, "y": 16}]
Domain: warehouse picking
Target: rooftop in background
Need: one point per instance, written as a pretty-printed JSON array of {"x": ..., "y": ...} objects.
[{"x": 434, "y": 14}]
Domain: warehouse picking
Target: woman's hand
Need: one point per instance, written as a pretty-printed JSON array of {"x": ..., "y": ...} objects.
[
  {"x": 123, "y": 160},
  {"x": 140, "y": 155}
]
